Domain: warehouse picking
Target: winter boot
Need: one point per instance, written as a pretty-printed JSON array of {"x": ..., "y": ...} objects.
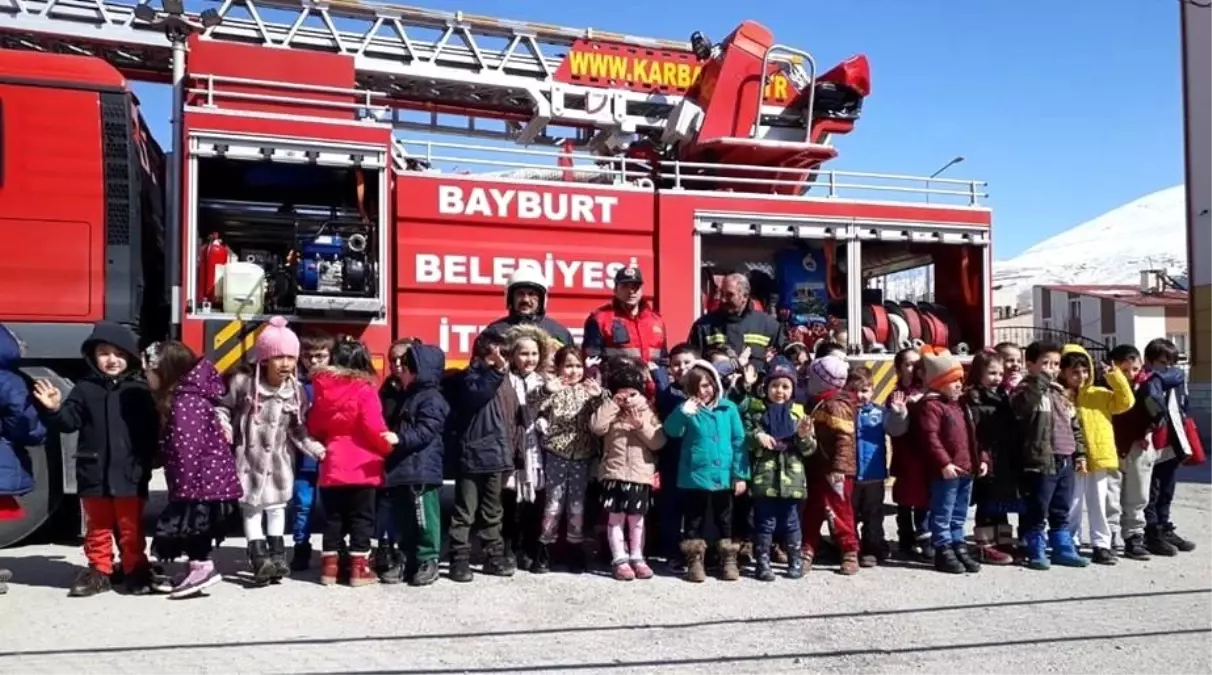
[
  {"x": 1037, "y": 551},
  {"x": 139, "y": 582},
  {"x": 202, "y": 575},
  {"x": 622, "y": 570},
  {"x": 360, "y": 573},
  {"x": 300, "y": 560},
  {"x": 1104, "y": 556},
  {"x": 641, "y": 569},
  {"x": 426, "y": 574},
  {"x": 1157, "y": 544},
  {"x": 795, "y": 556},
  {"x": 946, "y": 561},
  {"x": 394, "y": 571},
  {"x": 1134, "y": 548},
  {"x": 1007, "y": 543},
  {"x": 330, "y": 567},
  {"x": 1183, "y": 545},
  {"x": 850, "y": 564},
  {"x": 460, "y": 568},
  {"x": 5, "y": 577},
  {"x": 499, "y": 564},
  {"x": 263, "y": 570},
  {"x": 745, "y": 555},
  {"x": 965, "y": 558},
  {"x": 542, "y": 560},
  {"x": 763, "y": 572},
  {"x": 576, "y": 559},
  {"x": 987, "y": 549},
  {"x": 695, "y": 551},
  {"x": 277, "y": 555},
  {"x": 729, "y": 570},
  {"x": 88, "y": 583},
  {"x": 1064, "y": 552}
]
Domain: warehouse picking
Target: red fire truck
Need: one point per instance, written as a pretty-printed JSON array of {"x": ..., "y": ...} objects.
[{"x": 312, "y": 174}]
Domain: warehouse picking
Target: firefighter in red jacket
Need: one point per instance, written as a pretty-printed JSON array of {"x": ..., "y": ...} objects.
[{"x": 627, "y": 326}]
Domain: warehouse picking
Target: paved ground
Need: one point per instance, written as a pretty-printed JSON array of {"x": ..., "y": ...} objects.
[{"x": 1138, "y": 617}]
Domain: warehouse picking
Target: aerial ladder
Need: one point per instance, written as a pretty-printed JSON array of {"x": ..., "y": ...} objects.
[{"x": 756, "y": 102}]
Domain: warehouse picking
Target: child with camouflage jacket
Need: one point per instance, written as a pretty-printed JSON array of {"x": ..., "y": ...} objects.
[{"x": 780, "y": 437}]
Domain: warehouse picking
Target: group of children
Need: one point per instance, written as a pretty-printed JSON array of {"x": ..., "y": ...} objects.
[{"x": 553, "y": 453}]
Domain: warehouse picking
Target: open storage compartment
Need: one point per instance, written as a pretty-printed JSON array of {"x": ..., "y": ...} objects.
[
  {"x": 915, "y": 284},
  {"x": 287, "y": 230}
]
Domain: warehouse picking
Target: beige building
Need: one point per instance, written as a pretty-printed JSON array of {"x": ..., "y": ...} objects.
[{"x": 1114, "y": 314}]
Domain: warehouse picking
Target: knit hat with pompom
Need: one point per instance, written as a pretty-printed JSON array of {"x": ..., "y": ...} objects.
[
  {"x": 827, "y": 373},
  {"x": 276, "y": 340}
]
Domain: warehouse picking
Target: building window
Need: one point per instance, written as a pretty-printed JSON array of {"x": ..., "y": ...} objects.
[
  {"x": 1075, "y": 308},
  {"x": 1179, "y": 340},
  {"x": 1110, "y": 341}
]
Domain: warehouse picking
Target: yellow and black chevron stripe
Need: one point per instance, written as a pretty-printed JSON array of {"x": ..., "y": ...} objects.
[
  {"x": 227, "y": 342},
  {"x": 883, "y": 377}
]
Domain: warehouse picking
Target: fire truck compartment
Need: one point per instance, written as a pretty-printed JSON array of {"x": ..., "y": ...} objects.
[
  {"x": 893, "y": 302},
  {"x": 313, "y": 231}
]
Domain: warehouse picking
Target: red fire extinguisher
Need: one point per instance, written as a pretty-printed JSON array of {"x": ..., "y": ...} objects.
[{"x": 214, "y": 254}]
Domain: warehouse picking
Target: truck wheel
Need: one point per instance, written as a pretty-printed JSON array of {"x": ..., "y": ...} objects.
[{"x": 38, "y": 505}]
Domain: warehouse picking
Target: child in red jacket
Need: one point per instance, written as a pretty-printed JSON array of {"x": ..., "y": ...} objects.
[
  {"x": 949, "y": 440},
  {"x": 347, "y": 417}
]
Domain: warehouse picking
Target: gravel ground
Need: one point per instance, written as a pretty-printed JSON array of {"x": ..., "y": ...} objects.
[{"x": 1150, "y": 617}]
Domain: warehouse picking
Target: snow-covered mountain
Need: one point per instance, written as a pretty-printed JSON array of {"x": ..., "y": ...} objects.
[{"x": 1149, "y": 233}]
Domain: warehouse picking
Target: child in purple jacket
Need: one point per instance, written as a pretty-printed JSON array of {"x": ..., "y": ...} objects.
[{"x": 198, "y": 463}]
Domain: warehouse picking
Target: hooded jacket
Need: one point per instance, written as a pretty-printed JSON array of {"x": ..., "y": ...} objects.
[
  {"x": 628, "y": 452},
  {"x": 267, "y": 429},
  {"x": 713, "y": 456},
  {"x": 1035, "y": 401},
  {"x": 528, "y": 277},
  {"x": 997, "y": 437},
  {"x": 116, "y": 419},
  {"x": 489, "y": 417},
  {"x": 347, "y": 417},
  {"x": 1096, "y": 406},
  {"x": 20, "y": 427},
  {"x": 198, "y": 462},
  {"x": 777, "y": 473},
  {"x": 419, "y": 419}
]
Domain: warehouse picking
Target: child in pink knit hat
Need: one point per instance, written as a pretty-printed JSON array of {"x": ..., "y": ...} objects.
[{"x": 263, "y": 415}]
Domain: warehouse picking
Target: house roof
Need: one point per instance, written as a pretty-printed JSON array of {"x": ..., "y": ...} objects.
[{"x": 1127, "y": 294}]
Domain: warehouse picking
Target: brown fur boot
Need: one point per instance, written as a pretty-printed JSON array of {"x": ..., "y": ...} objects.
[
  {"x": 729, "y": 570},
  {"x": 695, "y": 550},
  {"x": 850, "y": 563}
]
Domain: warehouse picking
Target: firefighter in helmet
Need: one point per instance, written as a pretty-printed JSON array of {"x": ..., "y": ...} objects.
[{"x": 526, "y": 300}]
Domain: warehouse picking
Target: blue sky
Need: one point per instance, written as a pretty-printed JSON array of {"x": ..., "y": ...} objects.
[{"x": 1068, "y": 108}]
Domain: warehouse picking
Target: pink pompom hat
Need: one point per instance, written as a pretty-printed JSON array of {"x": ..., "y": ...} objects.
[{"x": 276, "y": 340}]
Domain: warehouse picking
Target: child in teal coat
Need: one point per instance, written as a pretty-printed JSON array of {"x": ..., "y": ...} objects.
[{"x": 714, "y": 466}]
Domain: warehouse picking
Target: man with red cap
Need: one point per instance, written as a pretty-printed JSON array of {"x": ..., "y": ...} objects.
[{"x": 627, "y": 326}]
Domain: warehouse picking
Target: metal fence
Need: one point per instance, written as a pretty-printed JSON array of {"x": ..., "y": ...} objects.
[{"x": 1025, "y": 335}]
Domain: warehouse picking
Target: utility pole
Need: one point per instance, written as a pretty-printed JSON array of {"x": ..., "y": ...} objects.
[{"x": 954, "y": 160}]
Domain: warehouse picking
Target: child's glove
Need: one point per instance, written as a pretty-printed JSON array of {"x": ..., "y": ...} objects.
[
  {"x": 542, "y": 426},
  {"x": 690, "y": 407}
]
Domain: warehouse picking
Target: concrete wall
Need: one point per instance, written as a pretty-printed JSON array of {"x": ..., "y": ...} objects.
[
  {"x": 1148, "y": 323},
  {"x": 1197, "y": 100}
]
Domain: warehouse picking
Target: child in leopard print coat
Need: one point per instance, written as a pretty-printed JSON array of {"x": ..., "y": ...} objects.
[{"x": 569, "y": 449}]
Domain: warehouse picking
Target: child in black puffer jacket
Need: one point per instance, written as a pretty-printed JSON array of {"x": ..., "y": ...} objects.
[
  {"x": 414, "y": 469},
  {"x": 996, "y": 493}
]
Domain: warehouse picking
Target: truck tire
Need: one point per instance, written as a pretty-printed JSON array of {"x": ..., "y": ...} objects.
[{"x": 39, "y": 504}]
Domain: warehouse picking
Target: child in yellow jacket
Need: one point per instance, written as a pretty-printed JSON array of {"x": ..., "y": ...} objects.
[{"x": 1097, "y": 482}]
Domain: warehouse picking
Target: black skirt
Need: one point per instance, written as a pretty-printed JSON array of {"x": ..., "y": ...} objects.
[
  {"x": 623, "y": 497},
  {"x": 182, "y": 525}
]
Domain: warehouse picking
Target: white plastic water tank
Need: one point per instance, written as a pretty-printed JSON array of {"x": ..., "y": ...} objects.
[{"x": 243, "y": 288}]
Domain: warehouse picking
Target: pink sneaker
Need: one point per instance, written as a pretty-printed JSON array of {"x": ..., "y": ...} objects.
[
  {"x": 202, "y": 575},
  {"x": 623, "y": 571},
  {"x": 641, "y": 569}
]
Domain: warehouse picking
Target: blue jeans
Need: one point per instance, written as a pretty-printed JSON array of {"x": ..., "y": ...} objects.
[
  {"x": 771, "y": 515},
  {"x": 301, "y": 503},
  {"x": 1046, "y": 498},
  {"x": 949, "y": 501}
]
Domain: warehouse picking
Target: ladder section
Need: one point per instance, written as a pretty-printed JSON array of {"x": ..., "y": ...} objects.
[{"x": 423, "y": 59}]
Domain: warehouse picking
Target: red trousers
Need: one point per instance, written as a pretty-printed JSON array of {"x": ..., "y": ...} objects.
[
  {"x": 824, "y": 502},
  {"x": 104, "y": 515}
]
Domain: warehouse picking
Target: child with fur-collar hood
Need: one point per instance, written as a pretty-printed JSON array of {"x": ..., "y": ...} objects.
[
  {"x": 263, "y": 416},
  {"x": 527, "y": 347}
]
